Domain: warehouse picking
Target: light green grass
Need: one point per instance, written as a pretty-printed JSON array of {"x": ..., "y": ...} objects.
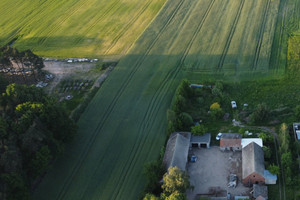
[
  {"x": 75, "y": 28},
  {"x": 124, "y": 126}
]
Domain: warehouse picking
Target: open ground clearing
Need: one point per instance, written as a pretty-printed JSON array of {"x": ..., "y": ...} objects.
[
  {"x": 71, "y": 28},
  {"x": 124, "y": 125}
]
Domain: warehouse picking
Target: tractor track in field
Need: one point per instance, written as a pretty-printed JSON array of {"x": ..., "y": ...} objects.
[
  {"x": 65, "y": 18},
  {"x": 282, "y": 9},
  {"x": 111, "y": 106},
  {"x": 126, "y": 28},
  {"x": 231, "y": 33},
  {"x": 155, "y": 102},
  {"x": 261, "y": 36},
  {"x": 104, "y": 14}
]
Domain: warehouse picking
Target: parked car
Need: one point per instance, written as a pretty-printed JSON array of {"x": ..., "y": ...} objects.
[
  {"x": 194, "y": 158},
  {"x": 232, "y": 180},
  {"x": 233, "y": 104},
  {"x": 218, "y": 137}
]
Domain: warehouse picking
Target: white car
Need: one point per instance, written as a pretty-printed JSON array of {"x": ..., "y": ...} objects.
[
  {"x": 233, "y": 104},
  {"x": 218, "y": 137}
]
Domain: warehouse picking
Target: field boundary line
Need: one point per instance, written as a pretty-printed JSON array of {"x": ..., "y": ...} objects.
[
  {"x": 82, "y": 156},
  {"x": 231, "y": 33},
  {"x": 261, "y": 36}
]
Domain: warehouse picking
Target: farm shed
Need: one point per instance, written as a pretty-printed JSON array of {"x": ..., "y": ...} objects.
[
  {"x": 230, "y": 141},
  {"x": 177, "y": 150},
  {"x": 253, "y": 164},
  {"x": 201, "y": 141},
  {"x": 241, "y": 197},
  {"x": 246, "y": 141},
  {"x": 260, "y": 192},
  {"x": 269, "y": 177}
]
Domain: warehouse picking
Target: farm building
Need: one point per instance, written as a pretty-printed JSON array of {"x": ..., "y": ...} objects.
[
  {"x": 231, "y": 141},
  {"x": 201, "y": 141},
  {"x": 246, "y": 141},
  {"x": 269, "y": 177},
  {"x": 260, "y": 192},
  {"x": 253, "y": 165},
  {"x": 297, "y": 130},
  {"x": 177, "y": 150}
]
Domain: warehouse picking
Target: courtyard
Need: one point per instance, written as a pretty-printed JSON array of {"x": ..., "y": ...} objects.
[{"x": 209, "y": 175}]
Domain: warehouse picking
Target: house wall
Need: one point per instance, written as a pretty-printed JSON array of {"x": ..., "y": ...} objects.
[
  {"x": 231, "y": 144},
  {"x": 253, "y": 178}
]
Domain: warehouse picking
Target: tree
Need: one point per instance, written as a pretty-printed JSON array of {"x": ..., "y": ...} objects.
[
  {"x": 260, "y": 115},
  {"x": 198, "y": 129},
  {"x": 267, "y": 152},
  {"x": 215, "y": 106},
  {"x": 297, "y": 113},
  {"x": 153, "y": 172},
  {"x": 179, "y": 104},
  {"x": 216, "y": 112},
  {"x": 175, "y": 180},
  {"x": 184, "y": 89},
  {"x": 284, "y": 138},
  {"x": 150, "y": 197},
  {"x": 185, "y": 121},
  {"x": 40, "y": 162},
  {"x": 274, "y": 169},
  {"x": 176, "y": 196}
]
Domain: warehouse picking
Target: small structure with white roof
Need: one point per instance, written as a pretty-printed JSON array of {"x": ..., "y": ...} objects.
[{"x": 246, "y": 141}]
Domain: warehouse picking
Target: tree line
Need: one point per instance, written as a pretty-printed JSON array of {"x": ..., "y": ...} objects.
[{"x": 33, "y": 131}]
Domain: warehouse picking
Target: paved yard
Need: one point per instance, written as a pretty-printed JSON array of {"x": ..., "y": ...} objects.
[{"x": 212, "y": 169}]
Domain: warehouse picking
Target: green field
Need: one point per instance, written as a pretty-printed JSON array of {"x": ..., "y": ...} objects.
[
  {"x": 75, "y": 28},
  {"x": 124, "y": 126}
]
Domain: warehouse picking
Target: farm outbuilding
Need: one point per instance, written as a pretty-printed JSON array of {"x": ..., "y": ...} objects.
[
  {"x": 201, "y": 141},
  {"x": 231, "y": 142},
  {"x": 177, "y": 150},
  {"x": 270, "y": 178},
  {"x": 260, "y": 192},
  {"x": 253, "y": 164}
]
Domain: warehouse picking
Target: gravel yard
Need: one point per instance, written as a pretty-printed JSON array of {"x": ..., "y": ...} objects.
[{"x": 212, "y": 170}]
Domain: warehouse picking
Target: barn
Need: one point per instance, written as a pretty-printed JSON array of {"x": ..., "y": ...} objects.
[
  {"x": 177, "y": 150},
  {"x": 253, "y": 164}
]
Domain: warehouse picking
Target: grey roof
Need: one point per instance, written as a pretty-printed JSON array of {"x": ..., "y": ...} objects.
[
  {"x": 260, "y": 190},
  {"x": 201, "y": 139},
  {"x": 177, "y": 150},
  {"x": 231, "y": 136},
  {"x": 253, "y": 160}
]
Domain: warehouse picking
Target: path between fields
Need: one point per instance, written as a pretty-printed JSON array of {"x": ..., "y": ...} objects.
[{"x": 276, "y": 142}]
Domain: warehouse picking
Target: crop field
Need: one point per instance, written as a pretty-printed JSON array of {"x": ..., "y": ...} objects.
[
  {"x": 75, "y": 28},
  {"x": 124, "y": 125}
]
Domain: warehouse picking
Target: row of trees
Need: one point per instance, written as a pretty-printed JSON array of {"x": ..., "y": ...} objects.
[
  {"x": 24, "y": 60},
  {"x": 33, "y": 130},
  {"x": 288, "y": 153}
]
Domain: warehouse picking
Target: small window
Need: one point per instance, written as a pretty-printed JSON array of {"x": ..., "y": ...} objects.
[{"x": 253, "y": 176}]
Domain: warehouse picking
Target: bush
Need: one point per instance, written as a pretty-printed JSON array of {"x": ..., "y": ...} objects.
[{"x": 198, "y": 130}]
